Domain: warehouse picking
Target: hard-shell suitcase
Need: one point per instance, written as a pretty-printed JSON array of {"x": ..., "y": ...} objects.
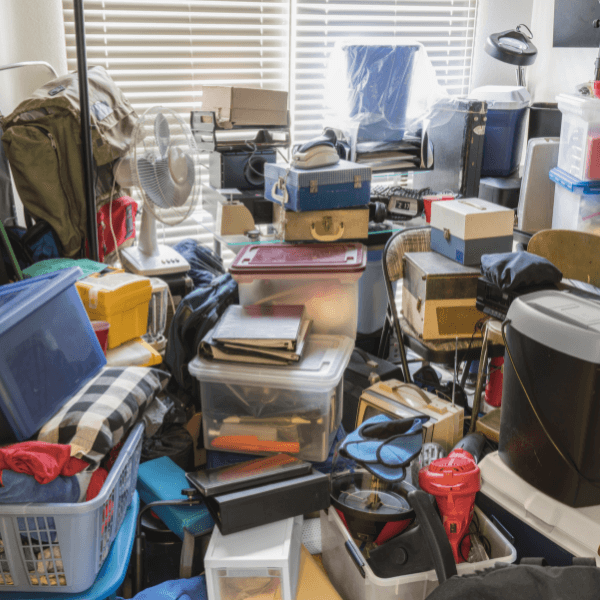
[
  {"x": 343, "y": 185},
  {"x": 322, "y": 225},
  {"x": 439, "y": 296}
]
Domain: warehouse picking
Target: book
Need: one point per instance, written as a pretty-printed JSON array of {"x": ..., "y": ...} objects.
[{"x": 275, "y": 327}]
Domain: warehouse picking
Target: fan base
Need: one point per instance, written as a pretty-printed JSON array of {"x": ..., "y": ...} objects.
[{"x": 165, "y": 261}]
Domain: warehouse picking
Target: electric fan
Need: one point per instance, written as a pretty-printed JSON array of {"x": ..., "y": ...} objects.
[{"x": 162, "y": 165}]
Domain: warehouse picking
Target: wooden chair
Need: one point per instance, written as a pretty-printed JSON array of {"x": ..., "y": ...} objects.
[
  {"x": 433, "y": 351},
  {"x": 575, "y": 253}
]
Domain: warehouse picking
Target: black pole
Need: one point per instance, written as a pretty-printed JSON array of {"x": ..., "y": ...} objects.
[{"x": 86, "y": 133}]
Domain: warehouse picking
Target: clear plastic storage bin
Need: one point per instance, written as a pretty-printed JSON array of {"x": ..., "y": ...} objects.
[
  {"x": 576, "y": 203},
  {"x": 579, "y": 151},
  {"x": 351, "y": 584},
  {"x": 255, "y": 409},
  {"x": 263, "y": 562},
  {"x": 323, "y": 277},
  {"x": 48, "y": 351}
]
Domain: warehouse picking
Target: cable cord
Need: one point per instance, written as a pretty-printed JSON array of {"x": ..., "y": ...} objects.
[{"x": 568, "y": 460}]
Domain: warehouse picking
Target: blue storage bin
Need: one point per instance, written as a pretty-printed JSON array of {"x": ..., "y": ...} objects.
[
  {"x": 48, "y": 351},
  {"x": 504, "y": 129},
  {"x": 379, "y": 79}
]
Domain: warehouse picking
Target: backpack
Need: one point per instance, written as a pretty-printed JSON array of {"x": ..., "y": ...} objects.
[
  {"x": 42, "y": 141},
  {"x": 195, "y": 316}
]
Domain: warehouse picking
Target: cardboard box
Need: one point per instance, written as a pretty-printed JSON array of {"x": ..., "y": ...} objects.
[{"x": 246, "y": 106}]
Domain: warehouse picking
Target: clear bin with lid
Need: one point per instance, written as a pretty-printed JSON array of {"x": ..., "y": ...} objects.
[
  {"x": 256, "y": 409},
  {"x": 121, "y": 299},
  {"x": 576, "y": 203},
  {"x": 579, "y": 150},
  {"x": 323, "y": 277}
]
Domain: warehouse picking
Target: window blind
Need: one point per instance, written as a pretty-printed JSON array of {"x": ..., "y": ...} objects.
[
  {"x": 445, "y": 28},
  {"x": 161, "y": 52}
]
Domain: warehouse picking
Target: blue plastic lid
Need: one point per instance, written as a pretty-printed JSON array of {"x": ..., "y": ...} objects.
[
  {"x": 573, "y": 184},
  {"x": 18, "y": 300}
]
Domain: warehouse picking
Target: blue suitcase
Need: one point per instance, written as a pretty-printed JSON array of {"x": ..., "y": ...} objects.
[{"x": 343, "y": 185}]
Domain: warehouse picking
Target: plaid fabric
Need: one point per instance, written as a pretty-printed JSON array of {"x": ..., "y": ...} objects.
[{"x": 97, "y": 418}]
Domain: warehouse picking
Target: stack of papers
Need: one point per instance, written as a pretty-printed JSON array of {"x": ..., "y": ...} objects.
[{"x": 268, "y": 335}]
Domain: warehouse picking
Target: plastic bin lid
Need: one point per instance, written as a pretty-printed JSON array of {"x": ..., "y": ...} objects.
[
  {"x": 502, "y": 97},
  {"x": 571, "y": 183},
  {"x": 300, "y": 258},
  {"x": 322, "y": 366},
  {"x": 114, "y": 281},
  {"x": 19, "y": 300},
  {"x": 587, "y": 107}
]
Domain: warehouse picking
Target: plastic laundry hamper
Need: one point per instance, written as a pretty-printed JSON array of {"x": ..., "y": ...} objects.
[{"x": 83, "y": 533}]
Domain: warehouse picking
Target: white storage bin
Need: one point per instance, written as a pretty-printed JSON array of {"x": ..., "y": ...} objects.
[
  {"x": 576, "y": 203},
  {"x": 579, "y": 151},
  {"x": 257, "y": 409},
  {"x": 351, "y": 585},
  {"x": 323, "y": 277},
  {"x": 264, "y": 561}
]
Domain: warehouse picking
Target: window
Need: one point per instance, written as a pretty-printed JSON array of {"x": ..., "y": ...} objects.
[
  {"x": 163, "y": 51},
  {"x": 445, "y": 27}
]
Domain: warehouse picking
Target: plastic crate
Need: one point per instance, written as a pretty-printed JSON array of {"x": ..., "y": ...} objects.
[
  {"x": 113, "y": 572},
  {"x": 48, "y": 350},
  {"x": 83, "y": 533}
]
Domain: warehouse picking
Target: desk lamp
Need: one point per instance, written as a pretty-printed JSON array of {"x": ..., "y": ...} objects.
[{"x": 513, "y": 47}]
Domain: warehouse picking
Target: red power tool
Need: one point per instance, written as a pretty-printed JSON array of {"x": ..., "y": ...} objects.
[{"x": 454, "y": 481}]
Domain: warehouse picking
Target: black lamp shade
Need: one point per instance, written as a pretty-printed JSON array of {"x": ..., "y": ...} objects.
[{"x": 512, "y": 47}]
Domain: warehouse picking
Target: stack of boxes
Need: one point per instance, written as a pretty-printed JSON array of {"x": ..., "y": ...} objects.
[
  {"x": 259, "y": 409},
  {"x": 577, "y": 175}
]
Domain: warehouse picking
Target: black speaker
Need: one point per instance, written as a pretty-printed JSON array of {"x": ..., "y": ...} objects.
[{"x": 240, "y": 170}]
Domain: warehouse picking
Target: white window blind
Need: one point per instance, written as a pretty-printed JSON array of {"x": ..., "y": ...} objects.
[
  {"x": 444, "y": 27},
  {"x": 161, "y": 52}
]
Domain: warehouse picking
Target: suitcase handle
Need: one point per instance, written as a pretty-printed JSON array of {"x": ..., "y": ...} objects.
[
  {"x": 279, "y": 185},
  {"x": 473, "y": 205},
  {"x": 326, "y": 238}
]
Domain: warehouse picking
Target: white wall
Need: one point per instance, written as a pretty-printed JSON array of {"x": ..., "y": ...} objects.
[
  {"x": 556, "y": 70},
  {"x": 494, "y": 16},
  {"x": 29, "y": 30}
]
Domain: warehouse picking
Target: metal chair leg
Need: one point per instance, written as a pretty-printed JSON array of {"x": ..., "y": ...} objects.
[{"x": 480, "y": 380}]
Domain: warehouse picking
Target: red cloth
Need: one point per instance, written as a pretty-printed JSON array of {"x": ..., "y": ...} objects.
[
  {"x": 96, "y": 483},
  {"x": 42, "y": 460}
]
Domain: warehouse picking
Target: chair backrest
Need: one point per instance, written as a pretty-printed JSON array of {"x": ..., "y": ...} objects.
[
  {"x": 575, "y": 253},
  {"x": 417, "y": 239}
]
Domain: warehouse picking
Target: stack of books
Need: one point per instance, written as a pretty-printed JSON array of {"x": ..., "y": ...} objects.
[{"x": 260, "y": 334}]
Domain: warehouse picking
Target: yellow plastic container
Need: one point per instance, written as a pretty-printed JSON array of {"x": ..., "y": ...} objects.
[
  {"x": 121, "y": 299},
  {"x": 135, "y": 353}
]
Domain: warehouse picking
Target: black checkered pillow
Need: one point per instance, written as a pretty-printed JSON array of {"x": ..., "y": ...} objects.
[{"x": 102, "y": 412}]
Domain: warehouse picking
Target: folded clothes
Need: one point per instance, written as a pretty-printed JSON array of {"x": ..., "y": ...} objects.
[
  {"x": 44, "y": 461},
  {"x": 179, "y": 589},
  {"x": 19, "y": 487}
]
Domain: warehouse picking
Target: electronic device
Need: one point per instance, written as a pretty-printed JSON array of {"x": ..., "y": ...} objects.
[
  {"x": 402, "y": 400},
  {"x": 162, "y": 165},
  {"x": 454, "y": 481},
  {"x": 401, "y": 203},
  {"x": 241, "y": 169},
  {"x": 252, "y": 473}
]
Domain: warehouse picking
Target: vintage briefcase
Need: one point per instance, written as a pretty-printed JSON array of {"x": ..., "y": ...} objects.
[
  {"x": 322, "y": 225},
  {"x": 439, "y": 295},
  {"x": 343, "y": 185}
]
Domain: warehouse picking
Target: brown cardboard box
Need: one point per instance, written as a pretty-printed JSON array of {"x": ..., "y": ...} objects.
[{"x": 245, "y": 106}]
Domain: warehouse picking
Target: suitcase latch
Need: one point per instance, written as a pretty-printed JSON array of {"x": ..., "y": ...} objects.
[
  {"x": 419, "y": 304},
  {"x": 357, "y": 182},
  {"x": 374, "y": 378},
  {"x": 327, "y": 223},
  {"x": 446, "y": 234},
  {"x": 314, "y": 186}
]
